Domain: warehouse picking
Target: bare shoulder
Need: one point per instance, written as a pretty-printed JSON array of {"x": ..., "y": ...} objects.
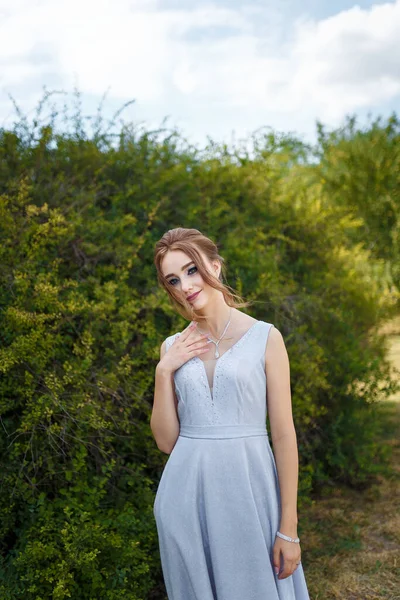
[
  {"x": 168, "y": 342},
  {"x": 244, "y": 320},
  {"x": 163, "y": 349}
]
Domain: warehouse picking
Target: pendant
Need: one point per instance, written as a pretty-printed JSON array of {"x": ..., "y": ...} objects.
[
  {"x": 216, "y": 355},
  {"x": 223, "y": 333}
]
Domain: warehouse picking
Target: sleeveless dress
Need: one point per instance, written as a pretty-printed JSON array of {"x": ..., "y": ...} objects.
[{"x": 217, "y": 507}]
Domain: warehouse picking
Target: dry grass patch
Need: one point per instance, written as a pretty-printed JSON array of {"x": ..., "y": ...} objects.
[
  {"x": 351, "y": 539},
  {"x": 392, "y": 330}
]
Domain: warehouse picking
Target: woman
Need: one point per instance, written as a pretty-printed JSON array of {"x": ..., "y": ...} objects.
[{"x": 226, "y": 505}]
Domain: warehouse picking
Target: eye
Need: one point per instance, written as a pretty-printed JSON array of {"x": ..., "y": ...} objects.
[{"x": 191, "y": 271}]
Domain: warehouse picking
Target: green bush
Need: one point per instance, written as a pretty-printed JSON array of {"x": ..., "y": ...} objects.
[
  {"x": 82, "y": 321},
  {"x": 360, "y": 171}
]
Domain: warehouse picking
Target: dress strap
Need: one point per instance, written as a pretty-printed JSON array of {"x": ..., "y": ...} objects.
[
  {"x": 170, "y": 340},
  {"x": 260, "y": 344}
]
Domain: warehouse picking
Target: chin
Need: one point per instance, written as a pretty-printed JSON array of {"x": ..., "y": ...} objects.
[{"x": 198, "y": 306}]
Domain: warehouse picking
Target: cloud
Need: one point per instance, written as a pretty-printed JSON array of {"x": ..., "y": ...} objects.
[
  {"x": 241, "y": 60},
  {"x": 349, "y": 61}
]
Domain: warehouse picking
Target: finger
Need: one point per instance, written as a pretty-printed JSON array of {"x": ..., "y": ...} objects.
[
  {"x": 293, "y": 565},
  {"x": 194, "y": 335},
  {"x": 199, "y": 339},
  {"x": 276, "y": 559},
  {"x": 188, "y": 330},
  {"x": 193, "y": 331},
  {"x": 286, "y": 568},
  {"x": 198, "y": 347},
  {"x": 289, "y": 569},
  {"x": 285, "y": 573}
]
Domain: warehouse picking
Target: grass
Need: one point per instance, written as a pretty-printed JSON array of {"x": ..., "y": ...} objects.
[
  {"x": 350, "y": 540},
  {"x": 392, "y": 330}
]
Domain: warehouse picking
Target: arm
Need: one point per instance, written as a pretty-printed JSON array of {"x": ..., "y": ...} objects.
[
  {"x": 164, "y": 422},
  {"x": 283, "y": 433}
]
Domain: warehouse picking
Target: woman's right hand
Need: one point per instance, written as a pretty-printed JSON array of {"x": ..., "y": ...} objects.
[{"x": 188, "y": 344}]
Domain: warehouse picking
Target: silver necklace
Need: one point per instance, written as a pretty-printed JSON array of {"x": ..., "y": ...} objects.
[{"x": 220, "y": 338}]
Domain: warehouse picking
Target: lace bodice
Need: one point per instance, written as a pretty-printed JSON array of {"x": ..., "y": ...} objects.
[{"x": 230, "y": 390}]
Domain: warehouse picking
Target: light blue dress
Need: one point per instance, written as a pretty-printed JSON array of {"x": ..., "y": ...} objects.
[{"x": 217, "y": 507}]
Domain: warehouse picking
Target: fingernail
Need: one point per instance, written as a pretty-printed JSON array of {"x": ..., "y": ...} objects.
[{"x": 276, "y": 569}]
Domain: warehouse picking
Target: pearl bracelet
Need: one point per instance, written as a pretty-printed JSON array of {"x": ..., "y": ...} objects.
[{"x": 287, "y": 538}]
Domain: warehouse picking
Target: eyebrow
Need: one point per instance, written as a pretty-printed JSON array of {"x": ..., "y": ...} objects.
[{"x": 182, "y": 269}]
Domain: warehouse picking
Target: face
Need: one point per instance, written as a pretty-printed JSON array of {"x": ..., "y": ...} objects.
[{"x": 183, "y": 275}]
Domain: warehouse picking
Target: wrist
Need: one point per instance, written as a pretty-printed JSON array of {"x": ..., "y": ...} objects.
[
  {"x": 288, "y": 527},
  {"x": 163, "y": 371},
  {"x": 287, "y": 538}
]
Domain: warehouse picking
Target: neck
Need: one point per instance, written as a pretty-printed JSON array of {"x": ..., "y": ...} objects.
[{"x": 220, "y": 316}]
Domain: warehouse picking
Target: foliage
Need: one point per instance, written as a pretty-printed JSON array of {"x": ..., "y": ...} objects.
[
  {"x": 360, "y": 171},
  {"x": 82, "y": 321}
]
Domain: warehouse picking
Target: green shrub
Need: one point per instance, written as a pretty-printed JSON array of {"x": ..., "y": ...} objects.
[{"x": 82, "y": 321}]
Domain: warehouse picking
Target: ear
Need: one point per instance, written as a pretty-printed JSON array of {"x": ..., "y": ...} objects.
[{"x": 217, "y": 269}]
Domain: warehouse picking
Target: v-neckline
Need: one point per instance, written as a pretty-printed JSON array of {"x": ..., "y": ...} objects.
[{"x": 219, "y": 360}]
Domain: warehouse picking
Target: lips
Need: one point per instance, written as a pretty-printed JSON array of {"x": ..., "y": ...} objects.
[{"x": 194, "y": 296}]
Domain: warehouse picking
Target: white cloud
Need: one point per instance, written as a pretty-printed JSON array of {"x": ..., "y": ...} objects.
[
  {"x": 349, "y": 61},
  {"x": 241, "y": 63}
]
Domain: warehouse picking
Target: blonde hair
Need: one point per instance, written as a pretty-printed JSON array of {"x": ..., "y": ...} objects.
[{"x": 192, "y": 242}]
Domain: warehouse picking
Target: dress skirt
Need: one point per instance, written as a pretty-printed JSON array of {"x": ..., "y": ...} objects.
[{"x": 217, "y": 511}]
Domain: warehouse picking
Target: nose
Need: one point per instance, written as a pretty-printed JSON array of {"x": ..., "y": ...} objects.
[{"x": 187, "y": 287}]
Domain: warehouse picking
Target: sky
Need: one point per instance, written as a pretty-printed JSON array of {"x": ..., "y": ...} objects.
[{"x": 219, "y": 70}]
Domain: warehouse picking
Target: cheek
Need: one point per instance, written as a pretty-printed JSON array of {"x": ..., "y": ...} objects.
[
  {"x": 199, "y": 281},
  {"x": 204, "y": 286}
]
